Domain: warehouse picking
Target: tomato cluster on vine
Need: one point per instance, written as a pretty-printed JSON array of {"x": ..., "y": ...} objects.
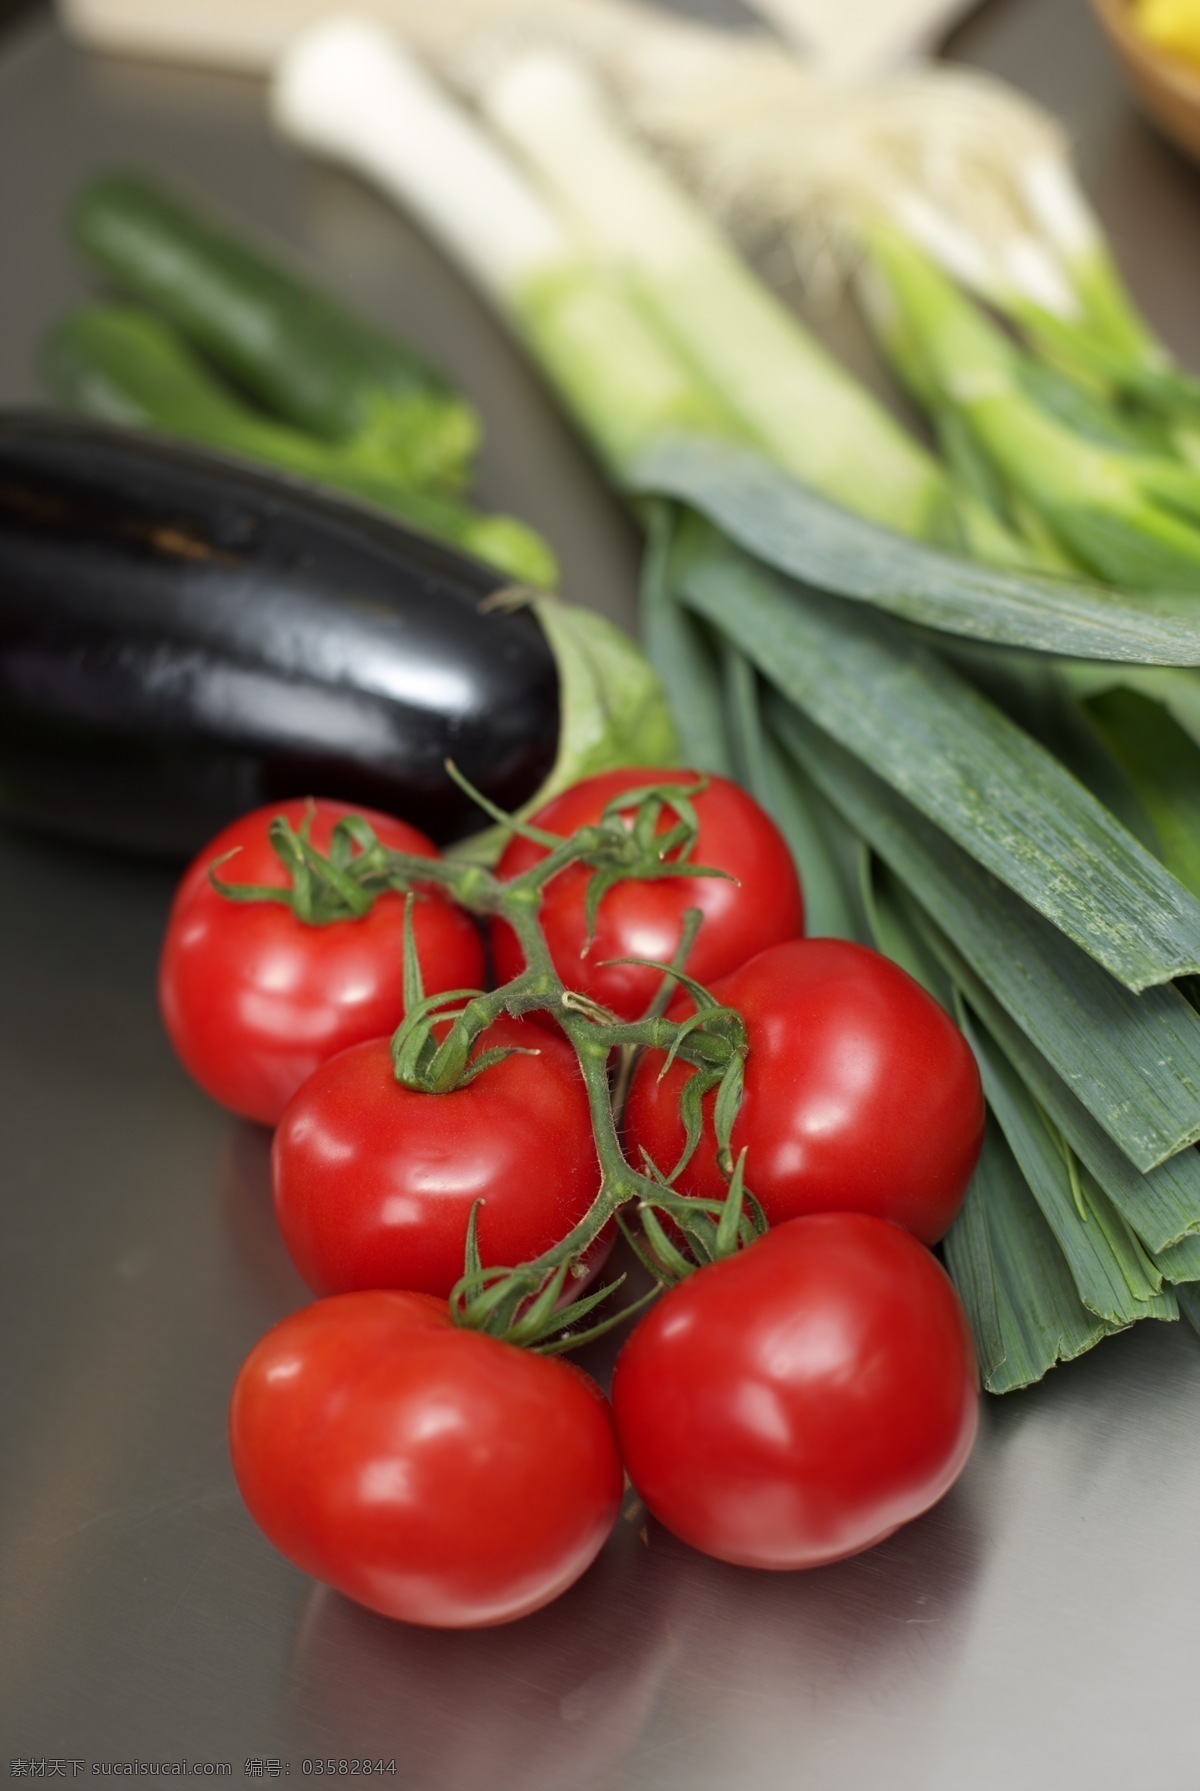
[{"x": 451, "y": 1165}]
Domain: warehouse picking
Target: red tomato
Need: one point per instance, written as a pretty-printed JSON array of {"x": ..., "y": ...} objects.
[
  {"x": 255, "y": 999},
  {"x": 798, "y": 1402},
  {"x": 431, "y": 1473},
  {"x": 644, "y": 919},
  {"x": 861, "y": 1093},
  {"x": 374, "y": 1184}
]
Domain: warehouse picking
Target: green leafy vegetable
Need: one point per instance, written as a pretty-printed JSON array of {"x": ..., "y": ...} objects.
[
  {"x": 960, "y": 762},
  {"x": 764, "y": 510},
  {"x": 1114, "y": 1276},
  {"x": 1037, "y": 1311}
]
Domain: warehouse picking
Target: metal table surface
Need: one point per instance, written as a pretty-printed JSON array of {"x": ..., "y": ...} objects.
[{"x": 1038, "y": 1628}]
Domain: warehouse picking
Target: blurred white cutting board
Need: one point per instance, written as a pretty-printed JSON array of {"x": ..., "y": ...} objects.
[
  {"x": 857, "y": 35},
  {"x": 850, "y": 35}
]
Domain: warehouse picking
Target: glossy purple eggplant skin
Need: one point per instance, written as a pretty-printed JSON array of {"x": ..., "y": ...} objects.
[{"x": 184, "y": 638}]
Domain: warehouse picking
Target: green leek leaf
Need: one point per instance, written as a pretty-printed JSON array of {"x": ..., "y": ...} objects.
[
  {"x": 1189, "y": 1304},
  {"x": 1039, "y": 1315},
  {"x": 1114, "y": 1276},
  {"x": 1133, "y": 1061},
  {"x": 677, "y": 647},
  {"x": 968, "y": 1251},
  {"x": 820, "y": 844},
  {"x": 1162, "y": 1206},
  {"x": 743, "y": 716},
  {"x": 893, "y": 934},
  {"x": 803, "y": 534},
  {"x": 1162, "y": 763},
  {"x": 1177, "y": 689},
  {"x": 961, "y": 762},
  {"x": 1181, "y": 1262}
]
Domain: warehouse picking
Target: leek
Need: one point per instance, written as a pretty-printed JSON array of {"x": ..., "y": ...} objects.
[
  {"x": 1113, "y": 1274},
  {"x": 1162, "y": 763},
  {"x": 738, "y": 339},
  {"x": 349, "y": 91},
  {"x": 822, "y": 544},
  {"x": 863, "y": 34},
  {"x": 976, "y": 174},
  {"x": 1025, "y": 1308}
]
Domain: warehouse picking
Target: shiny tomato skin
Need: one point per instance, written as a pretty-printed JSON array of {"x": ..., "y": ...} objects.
[
  {"x": 861, "y": 1094},
  {"x": 757, "y": 904},
  {"x": 430, "y": 1473},
  {"x": 254, "y": 999},
  {"x": 796, "y": 1403},
  {"x": 374, "y": 1182}
]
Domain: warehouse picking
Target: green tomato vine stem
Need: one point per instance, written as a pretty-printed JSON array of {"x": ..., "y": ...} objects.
[{"x": 432, "y": 1048}]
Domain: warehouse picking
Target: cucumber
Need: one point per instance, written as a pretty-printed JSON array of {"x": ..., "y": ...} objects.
[
  {"x": 295, "y": 349},
  {"x": 121, "y": 365}
]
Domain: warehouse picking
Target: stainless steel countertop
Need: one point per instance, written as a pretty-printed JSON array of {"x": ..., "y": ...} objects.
[{"x": 1039, "y": 1628}]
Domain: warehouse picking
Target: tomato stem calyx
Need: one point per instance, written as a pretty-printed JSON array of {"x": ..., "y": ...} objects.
[
  {"x": 323, "y": 887},
  {"x": 435, "y": 1047}
]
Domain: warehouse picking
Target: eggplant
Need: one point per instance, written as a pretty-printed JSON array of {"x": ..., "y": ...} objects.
[{"x": 184, "y": 638}]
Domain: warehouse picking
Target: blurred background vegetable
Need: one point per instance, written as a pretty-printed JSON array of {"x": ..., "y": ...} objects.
[
  {"x": 1171, "y": 25},
  {"x": 228, "y": 347}
]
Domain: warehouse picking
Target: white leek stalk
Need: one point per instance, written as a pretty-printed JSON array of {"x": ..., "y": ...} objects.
[
  {"x": 709, "y": 348},
  {"x": 977, "y": 174},
  {"x": 783, "y": 386},
  {"x": 770, "y": 140},
  {"x": 349, "y": 91}
]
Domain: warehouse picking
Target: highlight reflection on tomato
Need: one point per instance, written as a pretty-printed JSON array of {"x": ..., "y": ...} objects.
[
  {"x": 796, "y": 1403},
  {"x": 431, "y": 1473},
  {"x": 254, "y": 999}
]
